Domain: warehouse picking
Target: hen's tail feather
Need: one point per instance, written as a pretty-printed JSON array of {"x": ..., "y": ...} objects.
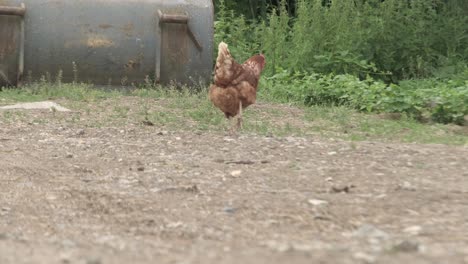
[{"x": 224, "y": 65}]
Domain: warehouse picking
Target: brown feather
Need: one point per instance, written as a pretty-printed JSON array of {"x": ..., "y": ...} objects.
[{"x": 234, "y": 82}]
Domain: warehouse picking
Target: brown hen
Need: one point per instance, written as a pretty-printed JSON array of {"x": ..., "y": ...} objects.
[{"x": 235, "y": 85}]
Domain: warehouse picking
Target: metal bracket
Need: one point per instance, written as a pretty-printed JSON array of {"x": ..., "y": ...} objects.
[
  {"x": 12, "y": 10},
  {"x": 179, "y": 19},
  {"x": 17, "y": 11},
  {"x": 175, "y": 19}
]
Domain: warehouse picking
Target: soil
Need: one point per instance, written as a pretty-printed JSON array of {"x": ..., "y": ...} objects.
[{"x": 130, "y": 193}]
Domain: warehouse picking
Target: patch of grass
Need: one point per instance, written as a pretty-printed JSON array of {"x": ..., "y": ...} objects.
[
  {"x": 187, "y": 109},
  {"x": 8, "y": 96},
  {"x": 11, "y": 116},
  {"x": 348, "y": 124},
  {"x": 121, "y": 111},
  {"x": 48, "y": 91},
  {"x": 437, "y": 100},
  {"x": 205, "y": 115}
]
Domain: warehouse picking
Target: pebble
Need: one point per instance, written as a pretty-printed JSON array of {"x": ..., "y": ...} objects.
[
  {"x": 68, "y": 243},
  {"x": 370, "y": 231},
  {"x": 413, "y": 230},
  {"x": 80, "y": 132},
  {"x": 406, "y": 186},
  {"x": 93, "y": 261},
  {"x": 229, "y": 210},
  {"x": 406, "y": 246},
  {"x": 367, "y": 258},
  {"x": 236, "y": 173},
  {"x": 317, "y": 202}
]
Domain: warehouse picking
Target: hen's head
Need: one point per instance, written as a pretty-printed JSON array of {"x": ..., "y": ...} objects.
[{"x": 257, "y": 63}]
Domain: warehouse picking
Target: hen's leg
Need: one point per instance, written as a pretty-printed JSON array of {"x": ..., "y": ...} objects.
[{"x": 239, "y": 117}]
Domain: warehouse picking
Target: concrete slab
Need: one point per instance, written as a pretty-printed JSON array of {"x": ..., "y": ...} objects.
[{"x": 36, "y": 105}]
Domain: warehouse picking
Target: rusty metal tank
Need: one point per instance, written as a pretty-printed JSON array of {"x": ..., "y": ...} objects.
[{"x": 115, "y": 42}]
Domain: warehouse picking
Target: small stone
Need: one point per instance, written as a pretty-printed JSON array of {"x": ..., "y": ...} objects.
[
  {"x": 93, "y": 261},
  {"x": 342, "y": 189},
  {"x": 65, "y": 257},
  {"x": 406, "y": 186},
  {"x": 69, "y": 156},
  {"x": 175, "y": 225},
  {"x": 406, "y": 246},
  {"x": 141, "y": 169},
  {"x": 364, "y": 257},
  {"x": 370, "y": 231},
  {"x": 147, "y": 123},
  {"x": 236, "y": 173},
  {"x": 413, "y": 230},
  {"x": 68, "y": 243},
  {"x": 229, "y": 210},
  {"x": 317, "y": 202},
  {"x": 51, "y": 197},
  {"x": 277, "y": 246},
  {"x": 331, "y": 153},
  {"x": 302, "y": 247}
]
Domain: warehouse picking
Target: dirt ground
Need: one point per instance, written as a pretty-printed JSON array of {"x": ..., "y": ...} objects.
[{"x": 73, "y": 193}]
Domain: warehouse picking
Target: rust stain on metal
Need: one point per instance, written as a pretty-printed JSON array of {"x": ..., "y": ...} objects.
[
  {"x": 134, "y": 64},
  {"x": 128, "y": 29},
  {"x": 99, "y": 41},
  {"x": 105, "y": 26},
  {"x": 72, "y": 44}
]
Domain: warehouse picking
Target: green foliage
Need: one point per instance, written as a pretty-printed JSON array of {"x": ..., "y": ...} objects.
[
  {"x": 253, "y": 9},
  {"x": 233, "y": 29},
  {"x": 444, "y": 101},
  {"x": 390, "y": 40},
  {"x": 44, "y": 90},
  {"x": 275, "y": 37},
  {"x": 182, "y": 108},
  {"x": 371, "y": 55}
]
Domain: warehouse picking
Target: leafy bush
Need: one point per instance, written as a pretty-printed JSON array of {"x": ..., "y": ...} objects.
[
  {"x": 444, "y": 101},
  {"x": 390, "y": 40},
  {"x": 368, "y": 54},
  {"x": 234, "y": 29}
]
